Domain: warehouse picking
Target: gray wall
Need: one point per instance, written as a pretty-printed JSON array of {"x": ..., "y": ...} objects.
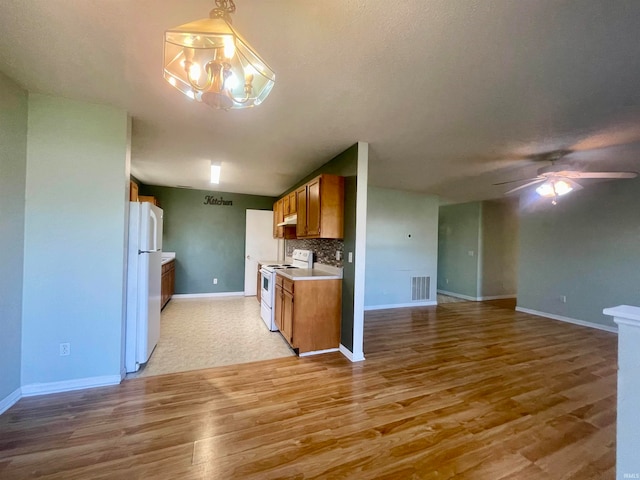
[
  {"x": 459, "y": 234},
  {"x": 75, "y": 219},
  {"x": 209, "y": 240},
  {"x": 587, "y": 247},
  {"x": 402, "y": 242},
  {"x": 13, "y": 160},
  {"x": 499, "y": 252}
]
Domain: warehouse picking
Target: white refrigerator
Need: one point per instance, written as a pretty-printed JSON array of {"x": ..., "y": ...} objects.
[{"x": 144, "y": 273}]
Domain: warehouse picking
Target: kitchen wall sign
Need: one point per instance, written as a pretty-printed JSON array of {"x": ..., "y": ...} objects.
[{"x": 211, "y": 200}]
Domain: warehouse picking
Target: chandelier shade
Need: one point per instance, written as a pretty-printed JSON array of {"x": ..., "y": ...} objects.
[{"x": 210, "y": 62}]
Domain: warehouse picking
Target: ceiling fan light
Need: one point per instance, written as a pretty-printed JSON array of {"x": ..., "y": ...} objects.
[
  {"x": 562, "y": 187},
  {"x": 554, "y": 188}
]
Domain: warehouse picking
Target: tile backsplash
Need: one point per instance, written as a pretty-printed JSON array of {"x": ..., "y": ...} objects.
[{"x": 324, "y": 249}]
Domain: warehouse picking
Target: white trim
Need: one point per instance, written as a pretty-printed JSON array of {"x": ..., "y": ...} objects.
[
  {"x": 498, "y": 297},
  {"x": 362, "y": 180},
  {"x": 350, "y": 356},
  {"x": 477, "y": 299},
  {"x": 69, "y": 385},
  {"x": 179, "y": 296},
  {"x": 629, "y": 313},
  {"x": 575, "y": 321},
  {"x": 318, "y": 352},
  {"x": 10, "y": 400},
  {"x": 457, "y": 295},
  {"x": 427, "y": 303}
]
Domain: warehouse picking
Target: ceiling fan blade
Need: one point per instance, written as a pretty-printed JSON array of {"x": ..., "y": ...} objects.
[
  {"x": 538, "y": 180},
  {"x": 605, "y": 175},
  {"x": 519, "y": 180}
]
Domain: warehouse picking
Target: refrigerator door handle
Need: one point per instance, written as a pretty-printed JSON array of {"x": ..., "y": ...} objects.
[{"x": 154, "y": 231}]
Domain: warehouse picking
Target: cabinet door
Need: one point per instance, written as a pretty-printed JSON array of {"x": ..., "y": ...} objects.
[
  {"x": 287, "y": 316},
  {"x": 286, "y": 206},
  {"x": 278, "y": 217},
  {"x": 301, "y": 201},
  {"x": 292, "y": 203},
  {"x": 275, "y": 220},
  {"x": 133, "y": 194},
  {"x": 313, "y": 208},
  {"x": 172, "y": 279},
  {"x": 277, "y": 308}
]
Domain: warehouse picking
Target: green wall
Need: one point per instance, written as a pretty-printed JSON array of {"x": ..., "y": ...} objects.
[
  {"x": 13, "y": 162},
  {"x": 209, "y": 240},
  {"x": 402, "y": 242},
  {"x": 74, "y": 243},
  {"x": 346, "y": 165},
  {"x": 459, "y": 234},
  {"x": 587, "y": 248}
]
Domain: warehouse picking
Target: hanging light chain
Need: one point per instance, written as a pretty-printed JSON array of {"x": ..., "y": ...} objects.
[{"x": 224, "y": 9}]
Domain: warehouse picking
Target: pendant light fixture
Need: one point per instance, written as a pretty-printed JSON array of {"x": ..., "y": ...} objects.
[{"x": 210, "y": 62}]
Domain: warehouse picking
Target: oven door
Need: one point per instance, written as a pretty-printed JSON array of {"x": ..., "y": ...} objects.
[{"x": 266, "y": 290}]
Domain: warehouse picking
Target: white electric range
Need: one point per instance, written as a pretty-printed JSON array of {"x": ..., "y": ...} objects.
[{"x": 300, "y": 259}]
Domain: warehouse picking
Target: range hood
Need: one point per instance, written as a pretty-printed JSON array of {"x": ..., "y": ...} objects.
[{"x": 289, "y": 220}]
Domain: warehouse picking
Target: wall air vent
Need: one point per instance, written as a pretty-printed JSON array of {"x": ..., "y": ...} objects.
[{"x": 420, "y": 288}]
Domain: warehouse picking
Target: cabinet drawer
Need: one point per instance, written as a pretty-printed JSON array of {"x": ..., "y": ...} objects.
[
  {"x": 167, "y": 267},
  {"x": 279, "y": 279},
  {"x": 287, "y": 285}
]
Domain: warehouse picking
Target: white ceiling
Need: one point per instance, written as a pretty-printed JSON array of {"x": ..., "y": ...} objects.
[{"x": 452, "y": 95}]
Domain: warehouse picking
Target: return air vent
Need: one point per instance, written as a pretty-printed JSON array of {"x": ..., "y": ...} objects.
[{"x": 420, "y": 288}]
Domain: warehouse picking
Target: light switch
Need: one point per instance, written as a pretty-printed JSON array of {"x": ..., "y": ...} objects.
[
  {"x": 470, "y": 253},
  {"x": 350, "y": 257}
]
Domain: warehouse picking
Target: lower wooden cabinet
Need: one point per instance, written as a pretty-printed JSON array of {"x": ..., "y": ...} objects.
[
  {"x": 308, "y": 313},
  {"x": 168, "y": 282}
]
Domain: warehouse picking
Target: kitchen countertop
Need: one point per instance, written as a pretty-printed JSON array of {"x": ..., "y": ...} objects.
[
  {"x": 329, "y": 273},
  {"x": 168, "y": 257}
]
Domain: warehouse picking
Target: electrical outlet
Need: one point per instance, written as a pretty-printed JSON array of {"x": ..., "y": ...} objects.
[
  {"x": 471, "y": 253},
  {"x": 350, "y": 257},
  {"x": 65, "y": 349},
  {"x": 563, "y": 299},
  {"x": 446, "y": 281},
  {"x": 338, "y": 254},
  {"x": 215, "y": 281}
]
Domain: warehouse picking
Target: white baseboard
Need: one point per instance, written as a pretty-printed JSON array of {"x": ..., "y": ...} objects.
[
  {"x": 69, "y": 385},
  {"x": 10, "y": 400},
  {"x": 497, "y": 297},
  {"x": 318, "y": 352},
  {"x": 575, "y": 321},
  {"x": 349, "y": 354},
  {"x": 179, "y": 296},
  {"x": 428, "y": 303},
  {"x": 476, "y": 299},
  {"x": 458, "y": 295}
]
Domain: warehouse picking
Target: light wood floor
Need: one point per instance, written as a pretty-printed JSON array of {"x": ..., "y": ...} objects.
[{"x": 464, "y": 390}]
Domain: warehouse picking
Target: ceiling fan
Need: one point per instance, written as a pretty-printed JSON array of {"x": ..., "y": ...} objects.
[{"x": 557, "y": 180}]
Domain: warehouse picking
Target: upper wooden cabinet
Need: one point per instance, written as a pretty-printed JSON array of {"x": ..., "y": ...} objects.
[
  {"x": 288, "y": 231},
  {"x": 133, "y": 191},
  {"x": 321, "y": 208},
  {"x": 278, "y": 217},
  {"x": 149, "y": 198},
  {"x": 290, "y": 204}
]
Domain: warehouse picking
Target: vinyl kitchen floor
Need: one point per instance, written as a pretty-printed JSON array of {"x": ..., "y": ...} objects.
[{"x": 212, "y": 332}]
